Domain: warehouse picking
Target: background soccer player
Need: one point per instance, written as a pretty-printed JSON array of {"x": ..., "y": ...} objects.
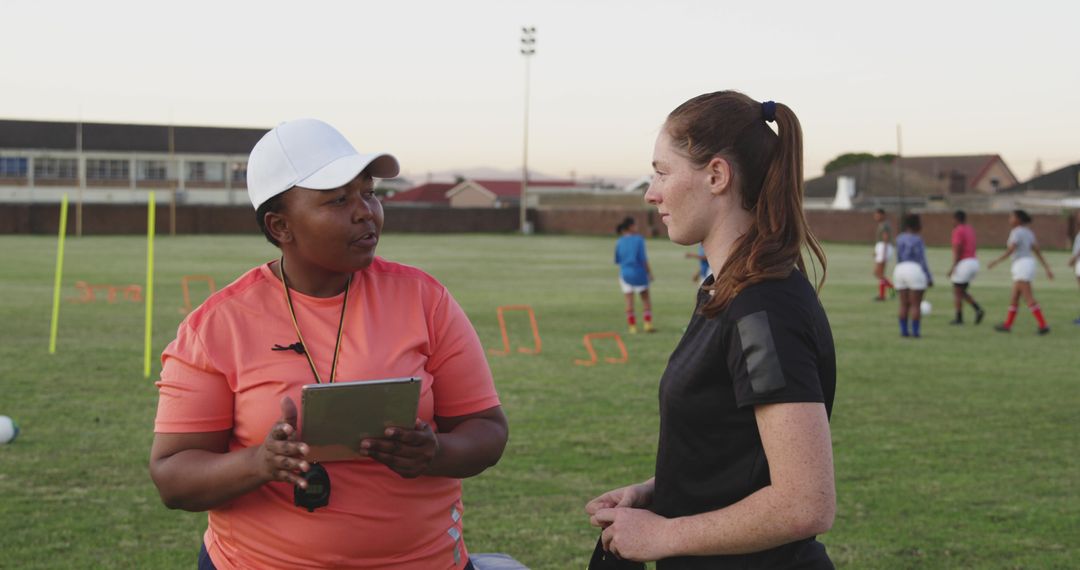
[
  {"x": 964, "y": 268},
  {"x": 634, "y": 272},
  {"x": 1023, "y": 248},
  {"x": 883, "y": 250}
]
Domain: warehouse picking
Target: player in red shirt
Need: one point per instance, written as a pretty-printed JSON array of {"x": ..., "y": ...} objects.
[{"x": 964, "y": 268}]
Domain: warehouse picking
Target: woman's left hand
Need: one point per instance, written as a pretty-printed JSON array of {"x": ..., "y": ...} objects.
[
  {"x": 633, "y": 534},
  {"x": 408, "y": 453}
]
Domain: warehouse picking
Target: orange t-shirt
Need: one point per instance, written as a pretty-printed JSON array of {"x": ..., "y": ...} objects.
[{"x": 221, "y": 374}]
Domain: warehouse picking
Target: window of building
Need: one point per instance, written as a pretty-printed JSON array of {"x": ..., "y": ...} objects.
[
  {"x": 153, "y": 169},
  {"x": 105, "y": 169},
  {"x": 12, "y": 167},
  {"x": 239, "y": 172},
  {"x": 56, "y": 168},
  {"x": 205, "y": 171},
  {"x": 196, "y": 171}
]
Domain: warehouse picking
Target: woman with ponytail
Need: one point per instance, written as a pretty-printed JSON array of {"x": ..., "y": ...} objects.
[{"x": 744, "y": 471}]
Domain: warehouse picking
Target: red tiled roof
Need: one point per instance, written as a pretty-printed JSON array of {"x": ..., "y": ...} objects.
[
  {"x": 432, "y": 192},
  {"x": 972, "y": 167}
]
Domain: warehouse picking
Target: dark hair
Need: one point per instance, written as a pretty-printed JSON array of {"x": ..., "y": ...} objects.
[
  {"x": 912, "y": 222},
  {"x": 627, "y": 223},
  {"x": 274, "y": 204},
  {"x": 880, "y": 211},
  {"x": 1022, "y": 216},
  {"x": 767, "y": 168},
  {"x": 960, "y": 216}
]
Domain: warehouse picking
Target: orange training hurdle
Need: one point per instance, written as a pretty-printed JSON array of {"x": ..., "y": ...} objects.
[
  {"x": 587, "y": 340},
  {"x": 185, "y": 285},
  {"x": 506, "y": 337},
  {"x": 87, "y": 294}
]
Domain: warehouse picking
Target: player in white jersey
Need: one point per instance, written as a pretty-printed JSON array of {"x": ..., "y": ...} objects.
[
  {"x": 1024, "y": 249},
  {"x": 1074, "y": 262}
]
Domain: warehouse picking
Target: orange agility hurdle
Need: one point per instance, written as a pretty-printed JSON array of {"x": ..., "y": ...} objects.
[
  {"x": 185, "y": 285},
  {"x": 506, "y": 337},
  {"x": 587, "y": 340},
  {"x": 131, "y": 293}
]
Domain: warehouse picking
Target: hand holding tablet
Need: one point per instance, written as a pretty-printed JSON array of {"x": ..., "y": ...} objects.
[
  {"x": 336, "y": 418},
  {"x": 408, "y": 453}
]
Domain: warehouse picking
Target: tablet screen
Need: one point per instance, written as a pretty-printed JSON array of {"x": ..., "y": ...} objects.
[{"x": 336, "y": 417}]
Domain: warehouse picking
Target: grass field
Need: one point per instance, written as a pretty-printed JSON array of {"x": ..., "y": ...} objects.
[{"x": 959, "y": 450}]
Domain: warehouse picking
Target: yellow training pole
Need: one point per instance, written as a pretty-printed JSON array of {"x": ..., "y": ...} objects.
[
  {"x": 59, "y": 275},
  {"x": 149, "y": 282}
]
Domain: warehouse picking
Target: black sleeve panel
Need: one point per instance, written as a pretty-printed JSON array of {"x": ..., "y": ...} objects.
[{"x": 773, "y": 357}]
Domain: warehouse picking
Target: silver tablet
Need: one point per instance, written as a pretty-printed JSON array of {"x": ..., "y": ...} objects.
[{"x": 335, "y": 418}]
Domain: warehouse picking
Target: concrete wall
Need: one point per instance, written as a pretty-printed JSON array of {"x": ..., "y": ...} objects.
[{"x": 1053, "y": 230}]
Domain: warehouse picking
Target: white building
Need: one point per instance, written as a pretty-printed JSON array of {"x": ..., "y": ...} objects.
[{"x": 122, "y": 163}]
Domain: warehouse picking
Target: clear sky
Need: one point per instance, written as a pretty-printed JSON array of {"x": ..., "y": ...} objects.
[{"x": 441, "y": 83}]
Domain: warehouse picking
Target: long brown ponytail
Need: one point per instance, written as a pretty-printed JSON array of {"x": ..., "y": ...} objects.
[{"x": 768, "y": 171}]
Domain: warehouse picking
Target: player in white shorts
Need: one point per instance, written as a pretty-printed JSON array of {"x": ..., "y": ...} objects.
[
  {"x": 911, "y": 275},
  {"x": 634, "y": 272},
  {"x": 1074, "y": 262},
  {"x": 964, "y": 268},
  {"x": 1023, "y": 248},
  {"x": 883, "y": 250}
]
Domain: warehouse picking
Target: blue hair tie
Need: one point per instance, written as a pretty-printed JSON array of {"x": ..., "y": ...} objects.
[{"x": 768, "y": 111}]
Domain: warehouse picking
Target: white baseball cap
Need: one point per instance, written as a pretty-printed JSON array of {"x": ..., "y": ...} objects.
[{"x": 311, "y": 154}]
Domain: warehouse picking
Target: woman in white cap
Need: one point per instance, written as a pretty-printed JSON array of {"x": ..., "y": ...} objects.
[{"x": 327, "y": 310}]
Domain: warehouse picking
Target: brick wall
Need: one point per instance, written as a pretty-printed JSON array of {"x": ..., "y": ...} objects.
[{"x": 1054, "y": 230}]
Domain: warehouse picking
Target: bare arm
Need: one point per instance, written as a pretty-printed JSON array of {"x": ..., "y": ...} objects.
[
  {"x": 464, "y": 446},
  {"x": 470, "y": 444},
  {"x": 799, "y": 503},
  {"x": 1038, "y": 253},
  {"x": 196, "y": 472},
  {"x": 1008, "y": 251}
]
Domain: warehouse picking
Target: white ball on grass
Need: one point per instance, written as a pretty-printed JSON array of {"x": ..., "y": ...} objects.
[
  {"x": 9, "y": 430},
  {"x": 925, "y": 307}
]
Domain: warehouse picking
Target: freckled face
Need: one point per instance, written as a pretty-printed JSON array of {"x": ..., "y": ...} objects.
[
  {"x": 680, "y": 192},
  {"x": 336, "y": 229}
]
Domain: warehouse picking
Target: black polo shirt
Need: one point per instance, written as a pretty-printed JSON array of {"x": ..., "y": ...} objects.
[{"x": 772, "y": 344}]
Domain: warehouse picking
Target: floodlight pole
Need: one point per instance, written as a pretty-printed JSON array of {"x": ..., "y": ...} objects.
[{"x": 528, "y": 49}]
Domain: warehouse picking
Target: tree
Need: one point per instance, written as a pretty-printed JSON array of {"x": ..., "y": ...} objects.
[{"x": 851, "y": 158}]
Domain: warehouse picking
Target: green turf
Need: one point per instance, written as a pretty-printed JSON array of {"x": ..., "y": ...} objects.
[{"x": 955, "y": 451}]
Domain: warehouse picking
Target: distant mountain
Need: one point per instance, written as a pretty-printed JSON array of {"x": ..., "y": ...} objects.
[
  {"x": 475, "y": 173},
  {"x": 488, "y": 173}
]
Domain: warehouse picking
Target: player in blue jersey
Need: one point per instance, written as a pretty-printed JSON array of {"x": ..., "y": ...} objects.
[
  {"x": 634, "y": 272},
  {"x": 703, "y": 271},
  {"x": 911, "y": 275}
]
